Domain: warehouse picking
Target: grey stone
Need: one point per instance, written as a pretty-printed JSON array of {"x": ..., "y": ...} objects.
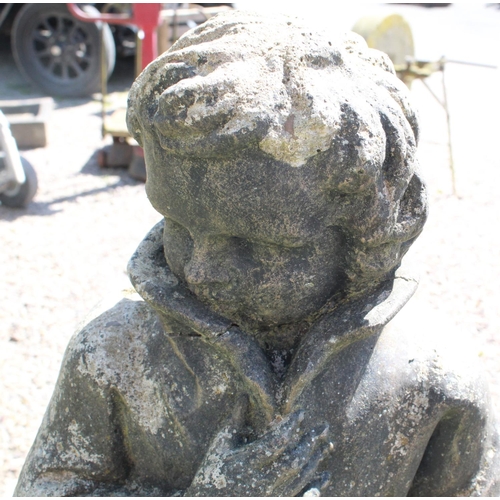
[
  {"x": 263, "y": 353},
  {"x": 28, "y": 120}
]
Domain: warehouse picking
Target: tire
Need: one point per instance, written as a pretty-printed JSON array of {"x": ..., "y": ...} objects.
[
  {"x": 22, "y": 195},
  {"x": 59, "y": 53}
]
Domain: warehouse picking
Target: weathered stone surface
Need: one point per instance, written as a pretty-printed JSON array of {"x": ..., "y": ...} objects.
[{"x": 266, "y": 356}]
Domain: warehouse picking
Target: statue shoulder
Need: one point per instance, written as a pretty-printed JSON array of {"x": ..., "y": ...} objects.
[{"x": 115, "y": 331}]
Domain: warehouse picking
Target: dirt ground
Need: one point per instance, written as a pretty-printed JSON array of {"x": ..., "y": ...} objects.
[{"x": 69, "y": 248}]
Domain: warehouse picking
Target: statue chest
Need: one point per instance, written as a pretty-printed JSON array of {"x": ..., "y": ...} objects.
[{"x": 379, "y": 436}]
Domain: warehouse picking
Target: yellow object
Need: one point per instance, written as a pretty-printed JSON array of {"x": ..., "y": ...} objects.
[{"x": 390, "y": 34}]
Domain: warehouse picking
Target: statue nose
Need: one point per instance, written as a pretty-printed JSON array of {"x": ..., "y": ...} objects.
[{"x": 205, "y": 268}]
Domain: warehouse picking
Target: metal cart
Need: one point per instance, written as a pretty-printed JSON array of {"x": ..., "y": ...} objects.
[{"x": 18, "y": 180}]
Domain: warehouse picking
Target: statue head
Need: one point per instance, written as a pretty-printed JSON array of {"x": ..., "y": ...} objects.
[{"x": 284, "y": 163}]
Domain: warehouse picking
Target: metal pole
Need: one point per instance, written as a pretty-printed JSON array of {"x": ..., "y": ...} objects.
[
  {"x": 467, "y": 63},
  {"x": 174, "y": 25},
  {"x": 104, "y": 79},
  {"x": 448, "y": 123}
]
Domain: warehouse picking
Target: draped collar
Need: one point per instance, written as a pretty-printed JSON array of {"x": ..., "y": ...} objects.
[{"x": 351, "y": 322}]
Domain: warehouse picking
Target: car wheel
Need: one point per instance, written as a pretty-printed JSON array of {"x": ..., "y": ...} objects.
[{"x": 59, "y": 53}]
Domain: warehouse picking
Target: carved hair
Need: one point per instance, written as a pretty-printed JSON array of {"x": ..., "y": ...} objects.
[{"x": 242, "y": 81}]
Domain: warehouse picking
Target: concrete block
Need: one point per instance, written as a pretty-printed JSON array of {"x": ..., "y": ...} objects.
[{"x": 28, "y": 120}]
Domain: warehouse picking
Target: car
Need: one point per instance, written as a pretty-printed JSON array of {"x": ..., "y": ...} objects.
[
  {"x": 62, "y": 55},
  {"x": 55, "y": 51}
]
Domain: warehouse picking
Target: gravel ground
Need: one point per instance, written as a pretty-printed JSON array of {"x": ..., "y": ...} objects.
[{"x": 69, "y": 248}]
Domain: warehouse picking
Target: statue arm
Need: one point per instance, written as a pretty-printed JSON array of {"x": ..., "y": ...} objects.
[
  {"x": 77, "y": 449},
  {"x": 461, "y": 447},
  {"x": 462, "y": 457}
]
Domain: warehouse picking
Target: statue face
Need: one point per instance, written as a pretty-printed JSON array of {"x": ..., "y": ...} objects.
[
  {"x": 285, "y": 175},
  {"x": 248, "y": 240}
]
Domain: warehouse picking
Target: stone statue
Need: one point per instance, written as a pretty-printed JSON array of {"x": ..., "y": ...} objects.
[{"x": 260, "y": 356}]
